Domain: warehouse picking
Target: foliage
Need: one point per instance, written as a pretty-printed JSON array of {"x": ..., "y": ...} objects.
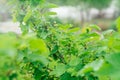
[
  {"x": 117, "y": 5},
  {"x": 95, "y": 4},
  {"x": 54, "y": 51},
  {"x": 84, "y": 3}
]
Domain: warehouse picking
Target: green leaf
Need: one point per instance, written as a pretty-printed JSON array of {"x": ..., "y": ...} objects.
[
  {"x": 59, "y": 70},
  {"x": 111, "y": 67},
  {"x": 94, "y": 66},
  {"x": 105, "y": 70},
  {"x": 118, "y": 24},
  {"x": 51, "y": 13},
  {"x": 24, "y": 28},
  {"x": 74, "y": 61},
  {"x": 50, "y": 5},
  {"x": 54, "y": 50},
  {"x": 113, "y": 43},
  {"x": 74, "y": 30},
  {"x": 68, "y": 76},
  {"x": 8, "y": 43},
  {"x": 114, "y": 59},
  {"x": 95, "y": 27},
  {"x": 35, "y": 57},
  {"x": 28, "y": 15},
  {"x": 37, "y": 44},
  {"x": 108, "y": 32}
]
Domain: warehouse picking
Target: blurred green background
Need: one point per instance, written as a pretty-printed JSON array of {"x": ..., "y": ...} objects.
[{"x": 77, "y": 12}]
